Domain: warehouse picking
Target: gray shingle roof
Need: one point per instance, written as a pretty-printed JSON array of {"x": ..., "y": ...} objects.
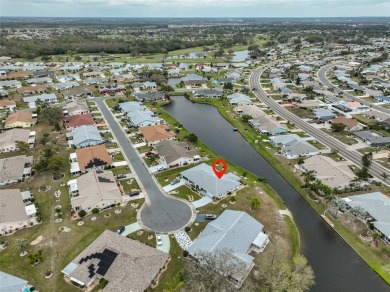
[
  {"x": 10, "y": 283},
  {"x": 85, "y": 133},
  {"x": 377, "y": 205}
]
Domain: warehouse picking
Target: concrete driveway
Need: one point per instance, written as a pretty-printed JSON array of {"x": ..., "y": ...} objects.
[
  {"x": 166, "y": 246},
  {"x": 201, "y": 218},
  {"x": 161, "y": 213}
]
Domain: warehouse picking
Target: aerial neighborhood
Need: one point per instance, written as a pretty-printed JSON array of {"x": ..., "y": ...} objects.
[{"x": 109, "y": 162}]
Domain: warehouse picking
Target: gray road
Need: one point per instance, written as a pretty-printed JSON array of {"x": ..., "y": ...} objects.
[
  {"x": 322, "y": 78},
  {"x": 161, "y": 213},
  {"x": 376, "y": 169}
]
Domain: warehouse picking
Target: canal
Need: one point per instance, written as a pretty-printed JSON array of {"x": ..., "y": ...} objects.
[{"x": 336, "y": 265}]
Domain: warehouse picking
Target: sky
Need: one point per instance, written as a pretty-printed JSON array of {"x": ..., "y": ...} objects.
[{"x": 194, "y": 8}]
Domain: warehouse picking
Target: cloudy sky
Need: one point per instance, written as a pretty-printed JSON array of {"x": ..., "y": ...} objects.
[{"x": 195, "y": 8}]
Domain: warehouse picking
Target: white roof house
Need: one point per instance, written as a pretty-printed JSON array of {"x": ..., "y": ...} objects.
[
  {"x": 203, "y": 178},
  {"x": 234, "y": 233}
]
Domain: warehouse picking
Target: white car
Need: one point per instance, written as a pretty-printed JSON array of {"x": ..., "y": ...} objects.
[{"x": 159, "y": 240}]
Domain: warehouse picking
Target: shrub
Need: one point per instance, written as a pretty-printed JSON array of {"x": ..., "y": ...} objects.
[
  {"x": 232, "y": 199},
  {"x": 185, "y": 253},
  {"x": 187, "y": 229},
  {"x": 82, "y": 213}
]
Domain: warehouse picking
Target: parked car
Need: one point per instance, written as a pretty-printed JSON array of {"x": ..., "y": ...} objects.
[
  {"x": 159, "y": 240},
  {"x": 135, "y": 193},
  {"x": 175, "y": 181},
  {"x": 160, "y": 168},
  {"x": 210, "y": 216},
  {"x": 121, "y": 176},
  {"x": 120, "y": 230}
]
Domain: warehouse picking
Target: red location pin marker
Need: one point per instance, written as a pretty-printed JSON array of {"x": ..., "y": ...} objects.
[{"x": 219, "y": 173}]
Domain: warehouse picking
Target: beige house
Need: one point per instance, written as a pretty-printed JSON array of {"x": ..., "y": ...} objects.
[
  {"x": 14, "y": 169},
  {"x": 95, "y": 189},
  {"x": 77, "y": 107},
  {"x": 14, "y": 214},
  {"x": 9, "y": 139},
  {"x": 126, "y": 264},
  {"x": 334, "y": 174},
  {"x": 19, "y": 120}
]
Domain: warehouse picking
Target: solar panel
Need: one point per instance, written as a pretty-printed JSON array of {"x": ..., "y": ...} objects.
[{"x": 106, "y": 258}]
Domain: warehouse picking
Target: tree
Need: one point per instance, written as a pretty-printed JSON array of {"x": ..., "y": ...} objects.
[
  {"x": 367, "y": 160},
  {"x": 338, "y": 127},
  {"x": 52, "y": 114},
  {"x": 228, "y": 86},
  {"x": 385, "y": 176},
  {"x": 45, "y": 138},
  {"x": 255, "y": 203},
  {"x": 21, "y": 245},
  {"x": 56, "y": 162},
  {"x": 211, "y": 271},
  {"x": 376, "y": 237},
  {"x": 192, "y": 138},
  {"x": 246, "y": 118},
  {"x": 22, "y": 146},
  {"x": 276, "y": 274}
]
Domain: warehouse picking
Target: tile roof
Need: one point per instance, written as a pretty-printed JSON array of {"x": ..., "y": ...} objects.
[
  {"x": 19, "y": 116},
  {"x": 93, "y": 156},
  {"x": 95, "y": 186},
  {"x": 350, "y": 123},
  {"x": 12, "y": 168},
  {"x": 133, "y": 269},
  {"x": 156, "y": 133},
  {"x": 13, "y": 136},
  {"x": 79, "y": 120},
  {"x": 12, "y": 208},
  {"x": 7, "y": 102}
]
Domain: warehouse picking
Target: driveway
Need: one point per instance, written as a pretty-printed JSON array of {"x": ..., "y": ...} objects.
[
  {"x": 170, "y": 187},
  {"x": 202, "y": 202},
  {"x": 161, "y": 213},
  {"x": 202, "y": 218},
  {"x": 166, "y": 246}
]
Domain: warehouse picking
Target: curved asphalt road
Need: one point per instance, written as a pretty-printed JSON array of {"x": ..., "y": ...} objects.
[
  {"x": 322, "y": 78},
  {"x": 161, "y": 213},
  {"x": 254, "y": 80}
]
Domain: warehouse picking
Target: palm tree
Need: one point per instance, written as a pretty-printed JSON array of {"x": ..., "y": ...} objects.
[
  {"x": 255, "y": 203},
  {"x": 384, "y": 176},
  {"x": 21, "y": 245}
]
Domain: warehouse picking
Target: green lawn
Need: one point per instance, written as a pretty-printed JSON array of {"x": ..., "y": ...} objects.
[
  {"x": 148, "y": 238},
  {"x": 184, "y": 192}
]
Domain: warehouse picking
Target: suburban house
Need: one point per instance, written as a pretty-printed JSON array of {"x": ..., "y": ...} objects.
[
  {"x": 10, "y": 84},
  {"x": 130, "y": 106},
  {"x": 7, "y": 104},
  {"x": 20, "y": 120},
  {"x": 96, "y": 80},
  {"x": 195, "y": 84},
  {"x": 9, "y": 139},
  {"x": 39, "y": 80},
  {"x": 323, "y": 114},
  {"x": 74, "y": 121},
  {"x": 126, "y": 264},
  {"x": 12, "y": 283},
  {"x": 149, "y": 96},
  {"x": 15, "y": 214},
  {"x": 77, "y": 107},
  {"x": 89, "y": 157},
  {"x": 31, "y": 101},
  {"x": 239, "y": 99},
  {"x": 156, "y": 133},
  {"x": 335, "y": 174},
  {"x": 350, "y": 124},
  {"x": 174, "y": 153},
  {"x": 203, "y": 179},
  {"x": 384, "y": 99},
  {"x": 15, "y": 169},
  {"x": 379, "y": 116},
  {"x": 233, "y": 234},
  {"x": 112, "y": 89},
  {"x": 377, "y": 205},
  {"x": 65, "y": 85},
  {"x": 251, "y": 110},
  {"x": 140, "y": 118},
  {"x": 293, "y": 146},
  {"x": 211, "y": 93},
  {"x": 149, "y": 85},
  {"x": 84, "y": 136},
  {"x": 77, "y": 92},
  {"x": 31, "y": 89},
  {"x": 267, "y": 125},
  {"x": 95, "y": 189},
  {"x": 371, "y": 138}
]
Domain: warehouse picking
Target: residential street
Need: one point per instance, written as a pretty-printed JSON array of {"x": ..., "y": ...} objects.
[
  {"x": 161, "y": 213},
  {"x": 322, "y": 78},
  {"x": 376, "y": 169}
]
